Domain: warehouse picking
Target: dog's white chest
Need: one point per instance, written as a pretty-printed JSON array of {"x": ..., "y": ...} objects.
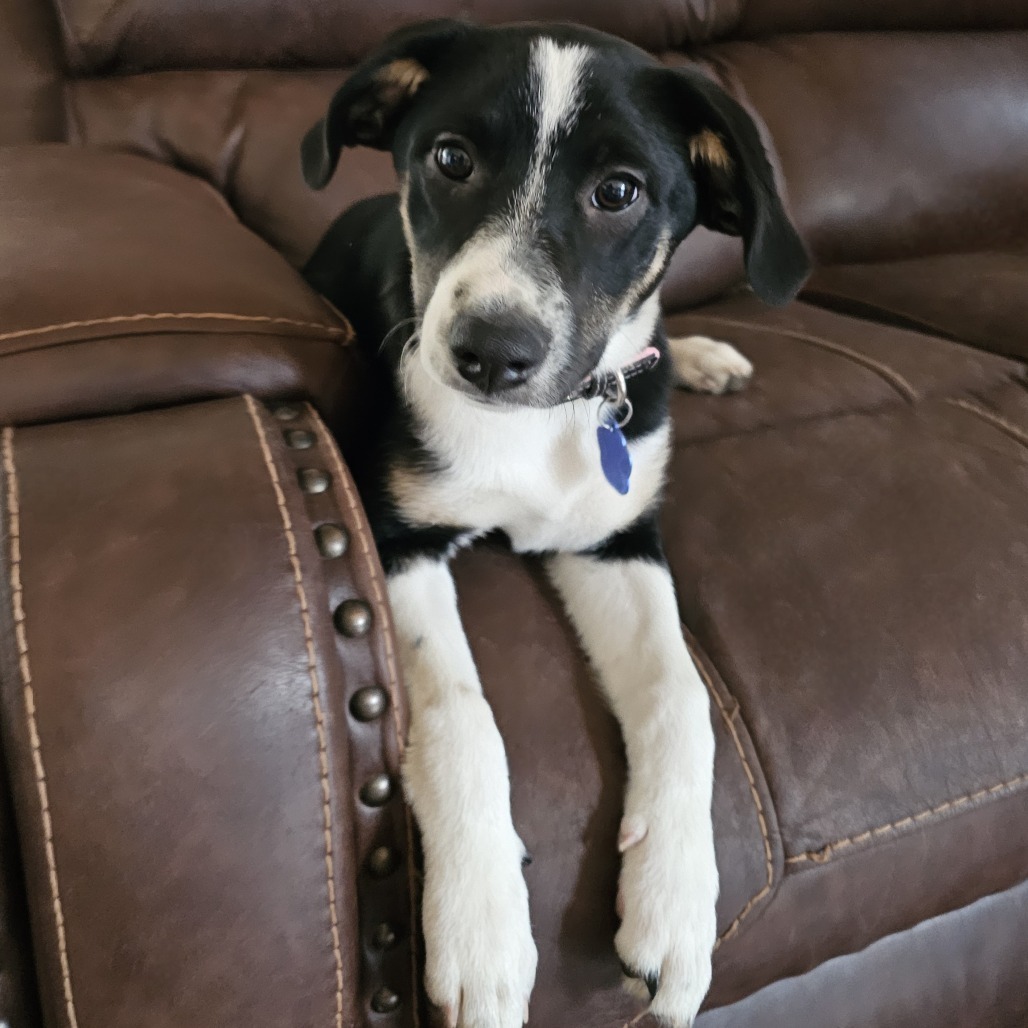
[{"x": 533, "y": 473}]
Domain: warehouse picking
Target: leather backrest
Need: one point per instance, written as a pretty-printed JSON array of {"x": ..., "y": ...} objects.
[
  {"x": 30, "y": 73},
  {"x": 137, "y": 35}
]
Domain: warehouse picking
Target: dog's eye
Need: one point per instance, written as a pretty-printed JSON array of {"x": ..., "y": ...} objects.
[
  {"x": 454, "y": 161},
  {"x": 615, "y": 193}
]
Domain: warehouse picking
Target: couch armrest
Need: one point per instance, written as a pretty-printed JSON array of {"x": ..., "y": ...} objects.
[
  {"x": 186, "y": 618},
  {"x": 127, "y": 284}
]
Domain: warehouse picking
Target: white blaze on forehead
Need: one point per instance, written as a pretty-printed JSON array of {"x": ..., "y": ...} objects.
[{"x": 556, "y": 75}]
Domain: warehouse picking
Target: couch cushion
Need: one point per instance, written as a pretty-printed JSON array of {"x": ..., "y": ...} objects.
[
  {"x": 894, "y": 145},
  {"x": 241, "y": 132},
  {"x": 149, "y": 34},
  {"x": 30, "y": 74},
  {"x": 979, "y": 299},
  {"x": 849, "y": 541},
  {"x": 816, "y": 363},
  {"x": 867, "y": 172},
  {"x": 127, "y": 284}
]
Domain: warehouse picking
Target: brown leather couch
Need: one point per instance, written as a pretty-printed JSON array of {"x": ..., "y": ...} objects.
[{"x": 200, "y": 823}]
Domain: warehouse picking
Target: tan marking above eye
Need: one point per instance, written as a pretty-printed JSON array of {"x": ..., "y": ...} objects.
[
  {"x": 708, "y": 147},
  {"x": 400, "y": 79}
]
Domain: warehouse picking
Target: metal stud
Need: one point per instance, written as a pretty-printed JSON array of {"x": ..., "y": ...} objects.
[
  {"x": 332, "y": 540},
  {"x": 287, "y": 412},
  {"x": 353, "y": 618},
  {"x": 385, "y": 1001},
  {"x": 313, "y": 480},
  {"x": 299, "y": 439},
  {"x": 369, "y": 703},
  {"x": 384, "y": 936},
  {"x": 383, "y": 861},
  {"x": 377, "y": 791}
]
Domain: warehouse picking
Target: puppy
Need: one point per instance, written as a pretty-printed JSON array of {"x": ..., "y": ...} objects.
[{"x": 507, "y": 300}]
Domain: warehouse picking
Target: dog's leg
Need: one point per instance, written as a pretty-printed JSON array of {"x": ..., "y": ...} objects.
[
  {"x": 708, "y": 366},
  {"x": 625, "y": 612},
  {"x": 480, "y": 958}
]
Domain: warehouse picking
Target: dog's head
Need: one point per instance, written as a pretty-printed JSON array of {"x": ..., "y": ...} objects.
[{"x": 547, "y": 174}]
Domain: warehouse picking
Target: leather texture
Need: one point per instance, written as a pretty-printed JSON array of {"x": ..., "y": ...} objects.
[
  {"x": 847, "y": 535},
  {"x": 896, "y": 983},
  {"x": 31, "y": 74},
  {"x": 187, "y": 800},
  {"x": 101, "y": 319}
]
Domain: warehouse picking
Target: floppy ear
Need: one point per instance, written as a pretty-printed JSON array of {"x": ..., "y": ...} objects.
[
  {"x": 369, "y": 105},
  {"x": 736, "y": 187}
]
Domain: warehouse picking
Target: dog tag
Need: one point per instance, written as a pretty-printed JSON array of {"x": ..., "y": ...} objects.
[{"x": 615, "y": 460}]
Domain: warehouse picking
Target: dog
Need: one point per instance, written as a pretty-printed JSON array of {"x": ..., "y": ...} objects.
[{"x": 519, "y": 384}]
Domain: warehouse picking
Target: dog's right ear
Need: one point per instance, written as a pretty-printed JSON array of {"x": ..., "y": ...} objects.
[{"x": 369, "y": 105}]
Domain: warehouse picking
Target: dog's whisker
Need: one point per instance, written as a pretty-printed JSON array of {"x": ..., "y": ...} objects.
[{"x": 400, "y": 324}]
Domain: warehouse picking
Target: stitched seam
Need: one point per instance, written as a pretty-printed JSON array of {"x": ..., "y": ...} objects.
[
  {"x": 825, "y": 853},
  {"x": 21, "y": 636},
  {"x": 893, "y": 377},
  {"x": 120, "y": 319},
  {"x": 769, "y": 866},
  {"x": 319, "y": 716},
  {"x": 384, "y": 618},
  {"x": 997, "y": 421}
]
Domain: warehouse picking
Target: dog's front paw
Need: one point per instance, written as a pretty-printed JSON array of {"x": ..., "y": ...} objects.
[
  {"x": 479, "y": 955},
  {"x": 708, "y": 366},
  {"x": 666, "y": 900}
]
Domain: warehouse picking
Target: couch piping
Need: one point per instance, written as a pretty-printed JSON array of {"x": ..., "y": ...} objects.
[
  {"x": 1005, "y": 426},
  {"x": 121, "y": 319},
  {"x": 769, "y": 866},
  {"x": 319, "y": 716},
  {"x": 826, "y": 853},
  {"x": 18, "y": 610},
  {"x": 384, "y": 620},
  {"x": 890, "y": 375}
]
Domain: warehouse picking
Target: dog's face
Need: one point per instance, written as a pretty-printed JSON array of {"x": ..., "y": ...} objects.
[{"x": 547, "y": 174}]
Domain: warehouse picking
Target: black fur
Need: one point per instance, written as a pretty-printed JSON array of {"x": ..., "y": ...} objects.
[{"x": 470, "y": 86}]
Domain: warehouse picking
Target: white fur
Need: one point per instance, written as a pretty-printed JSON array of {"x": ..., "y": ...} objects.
[
  {"x": 709, "y": 366},
  {"x": 480, "y": 958},
  {"x": 532, "y": 472},
  {"x": 556, "y": 75},
  {"x": 627, "y": 617}
]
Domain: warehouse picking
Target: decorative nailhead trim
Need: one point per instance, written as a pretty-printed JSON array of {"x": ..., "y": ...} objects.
[
  {"x": 369, "y": 703},
  {"x": 313, "y": 481},
  {"x": 298, "y": 439},
  {"x": 382, "y": 862},
  {"x": 353, "y": 618},
  {"x": 333, "y": 541},
  {"x": 385, "y": 1001},
  {"x": 378, "y": 791},
  {"x": 377, "y": 821},
  {"x": 383, "y": 937}
]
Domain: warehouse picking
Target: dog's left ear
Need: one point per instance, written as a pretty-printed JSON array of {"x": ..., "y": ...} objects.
[
  {"x": 736, "y": 187},
  {"x": 367, "y": 108}
]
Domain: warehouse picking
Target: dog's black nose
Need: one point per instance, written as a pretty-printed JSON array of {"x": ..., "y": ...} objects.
[{"x": 497, "y": 352}]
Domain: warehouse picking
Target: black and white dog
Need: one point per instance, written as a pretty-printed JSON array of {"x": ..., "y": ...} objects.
[{"x": 508, "y": 301}]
